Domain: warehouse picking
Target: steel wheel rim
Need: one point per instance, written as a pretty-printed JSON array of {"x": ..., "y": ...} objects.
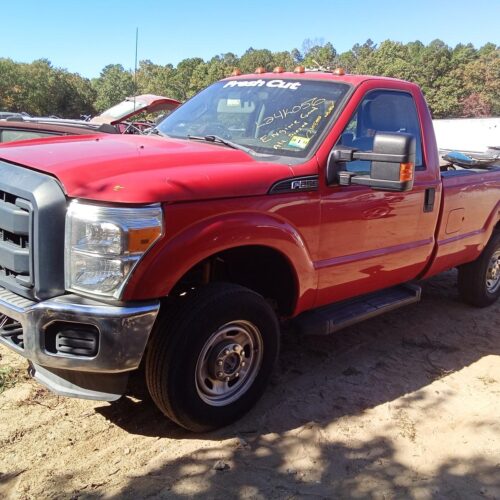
[
  {"x": 493, "y": 273},
  {"x": 229, "y": 363}
]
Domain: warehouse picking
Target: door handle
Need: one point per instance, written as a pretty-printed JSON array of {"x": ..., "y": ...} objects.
[{"x": 430, "y": 195}]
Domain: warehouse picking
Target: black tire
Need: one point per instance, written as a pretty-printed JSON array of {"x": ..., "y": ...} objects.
[
  {"x": 472, "y": 278},
  {"x": 175, "y": 367}
]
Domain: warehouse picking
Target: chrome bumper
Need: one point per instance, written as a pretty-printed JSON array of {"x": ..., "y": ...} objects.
[{"x": 123, "y": 332}]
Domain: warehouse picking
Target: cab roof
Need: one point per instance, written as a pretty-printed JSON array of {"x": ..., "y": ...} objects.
[{"x": 354, "y": 80}]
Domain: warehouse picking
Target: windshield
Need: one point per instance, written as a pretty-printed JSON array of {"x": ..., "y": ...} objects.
[{"x": 279, "y": 117}]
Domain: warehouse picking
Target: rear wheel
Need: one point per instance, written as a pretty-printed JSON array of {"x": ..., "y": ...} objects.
[
  {"x": 208, "y": 363},
  {"x": 479, "y": 281}
]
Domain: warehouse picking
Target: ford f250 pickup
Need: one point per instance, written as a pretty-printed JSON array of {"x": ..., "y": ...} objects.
[{"x": 308, "y": 197}]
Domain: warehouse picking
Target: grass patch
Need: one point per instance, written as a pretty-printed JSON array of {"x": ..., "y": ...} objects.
[{"x": 9, "y": 377}]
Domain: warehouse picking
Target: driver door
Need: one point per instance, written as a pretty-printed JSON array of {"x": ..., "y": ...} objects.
[{"x": 372, "y": 239}]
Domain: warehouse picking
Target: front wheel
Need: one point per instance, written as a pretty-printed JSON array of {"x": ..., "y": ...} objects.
[
  {"x": 479, "y": 281},
  {"x": 208, "y": 363}
]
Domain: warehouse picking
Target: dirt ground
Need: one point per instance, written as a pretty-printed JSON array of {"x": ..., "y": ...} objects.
[{"x": 403, "y": 406}]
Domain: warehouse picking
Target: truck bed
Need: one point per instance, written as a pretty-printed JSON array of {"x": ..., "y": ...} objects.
[
  {"x": 468, "y": 171},
  {"x": 469, "y": 206}
]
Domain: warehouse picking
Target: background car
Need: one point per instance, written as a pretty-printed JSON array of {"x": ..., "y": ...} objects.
[
  {"x": 23, "y": 129},
  {"x": 147, "y": 104},
  {"x": 9, "y": 114},
  {"x": 17, "y": 126}
]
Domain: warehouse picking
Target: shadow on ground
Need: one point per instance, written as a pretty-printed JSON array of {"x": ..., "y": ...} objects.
[
  {"x": 368, "y": 471},
  {"x": 323, "y": 380}
]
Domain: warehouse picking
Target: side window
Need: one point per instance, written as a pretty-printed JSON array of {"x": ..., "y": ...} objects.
[
  {"x": 22, "y": 135},
  {"x": 381, "y": 111}
]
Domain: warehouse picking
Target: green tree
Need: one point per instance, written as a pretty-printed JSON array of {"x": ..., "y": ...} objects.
[
  {"x": 389, "y": 59},
  {"x": 40, "y": 89},
  {"x": 253, "y": 59},
  {"x": 10, "y": 84},
  {"x": 187, "y": 78},
  {"x": 284, "y": 59},
  {"x": 297, "y": 56},
  {"x": 459, "y": 81},
  {"x": 152, "y": 78},
  {"x": 362, "y": 53},
  {"x": 481, "y": 78},
  {"x": 74, "y": 96},
  {"x": 434, "y": 74},
  {"x": 321, "y": 56},
  {"x": 220, "y": 67},
  {"x": 113, "y": 85},
  {"x": 39, "y": 84}
]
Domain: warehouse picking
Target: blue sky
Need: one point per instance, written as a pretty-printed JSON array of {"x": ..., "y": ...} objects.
[{"x": 85, "y": 35}]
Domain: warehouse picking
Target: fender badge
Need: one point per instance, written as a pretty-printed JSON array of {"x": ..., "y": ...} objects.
[{"x": 118, "y": 188}]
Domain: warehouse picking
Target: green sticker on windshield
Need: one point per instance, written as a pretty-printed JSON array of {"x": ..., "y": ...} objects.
[{"x": 299, "y": 142}]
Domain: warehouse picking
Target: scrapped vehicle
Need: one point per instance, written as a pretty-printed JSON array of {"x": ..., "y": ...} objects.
[
  {"x": 22, "y": 129},
  {"x": 311, "y": 198},
  {"x": 121, "y": 115},
  {"x": 117, "y": 119},
  {"x": 10, "y": 114}
]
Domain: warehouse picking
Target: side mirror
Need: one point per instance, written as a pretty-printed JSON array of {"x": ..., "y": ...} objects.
[{"x": 393, "y": 163}]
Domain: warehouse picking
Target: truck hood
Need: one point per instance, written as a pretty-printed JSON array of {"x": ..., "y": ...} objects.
[{"x": 145, "y": 169}]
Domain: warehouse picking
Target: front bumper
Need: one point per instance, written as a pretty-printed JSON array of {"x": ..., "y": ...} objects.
[{"x": 123, "y": 332}]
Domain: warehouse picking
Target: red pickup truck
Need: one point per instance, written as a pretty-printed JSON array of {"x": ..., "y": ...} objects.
[{"x": 310, "y": 197}]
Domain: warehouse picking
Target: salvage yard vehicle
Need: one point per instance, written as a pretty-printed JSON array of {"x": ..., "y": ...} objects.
[
  {"x": 120, "y": 116},
  {"x": 10, "y": 114},
  {"x": 22, "y": 129},
  {"x": 118, "y": 119},
  {"x": 309, "y": 197}
]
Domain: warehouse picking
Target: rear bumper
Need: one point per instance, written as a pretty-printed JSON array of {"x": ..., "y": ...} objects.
[{"x": 122, "y": 332}]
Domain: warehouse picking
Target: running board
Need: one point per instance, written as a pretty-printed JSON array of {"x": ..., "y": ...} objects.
[{"x": 331, "y": 318}]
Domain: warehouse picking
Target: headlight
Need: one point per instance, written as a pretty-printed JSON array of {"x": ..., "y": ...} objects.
[{"x": 103, "y": 245}]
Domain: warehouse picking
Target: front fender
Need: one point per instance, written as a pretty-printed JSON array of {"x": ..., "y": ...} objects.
[{"x": 171, "y": 258}]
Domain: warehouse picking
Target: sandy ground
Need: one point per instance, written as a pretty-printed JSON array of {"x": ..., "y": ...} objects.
[{"x": 402, "y": 406}]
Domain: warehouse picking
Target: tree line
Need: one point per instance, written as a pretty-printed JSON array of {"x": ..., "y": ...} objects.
[{"x": 460, "y": 81}]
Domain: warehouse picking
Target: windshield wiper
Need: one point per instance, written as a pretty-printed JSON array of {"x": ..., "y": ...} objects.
[
  {"x": 155, "y": 131},
  {"x": 220, "y": 140}
]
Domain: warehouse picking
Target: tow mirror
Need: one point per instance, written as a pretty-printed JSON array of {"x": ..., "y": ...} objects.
[{"x": 393, "y": 163}]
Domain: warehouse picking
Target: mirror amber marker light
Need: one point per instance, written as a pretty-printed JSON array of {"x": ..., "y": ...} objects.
[{"x": 405, "y": 172}]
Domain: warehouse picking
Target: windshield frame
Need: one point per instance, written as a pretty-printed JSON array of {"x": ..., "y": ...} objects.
[{"x": 290, "y": 159}]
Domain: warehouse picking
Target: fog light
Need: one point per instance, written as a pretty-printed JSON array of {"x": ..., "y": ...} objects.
[{"x": 72, "y": 339}]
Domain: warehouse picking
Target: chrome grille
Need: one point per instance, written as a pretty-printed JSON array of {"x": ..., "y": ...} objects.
[
  {"x": 12, "y": 331},
  {"x": 32, "y": 215}
]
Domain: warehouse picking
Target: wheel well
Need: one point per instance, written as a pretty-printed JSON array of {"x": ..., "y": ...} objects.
[{"x": 262, "y": 269}]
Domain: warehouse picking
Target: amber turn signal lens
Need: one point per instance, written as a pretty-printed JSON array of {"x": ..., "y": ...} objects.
[
  {"x": 260, "y": 70},
  {"x": 139, "y": 240},
  {"x": 279, "y": 69},
  {"x": 299, "y": 69},
  {"x": 236, "y": 72},
  {"x": 405, "y": 172},
  {"x": 339, "y": 71}
]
